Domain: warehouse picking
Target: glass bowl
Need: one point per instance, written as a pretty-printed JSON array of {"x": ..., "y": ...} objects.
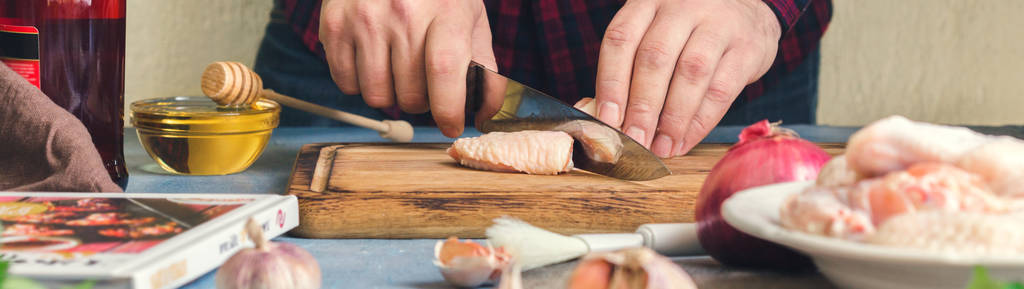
[{"x": 191, "y": 135}]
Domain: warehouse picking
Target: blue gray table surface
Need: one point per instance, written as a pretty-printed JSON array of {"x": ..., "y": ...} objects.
[{"x": 378, "y": 263}]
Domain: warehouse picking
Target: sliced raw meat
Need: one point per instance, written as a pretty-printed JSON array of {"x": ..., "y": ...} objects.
[
  {"x": 531, "y": 152},
  {"x": 600, "y": 143}
]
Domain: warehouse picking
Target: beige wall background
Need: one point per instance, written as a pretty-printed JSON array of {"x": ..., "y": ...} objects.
[
  {"x": 945, "y": 61},
  {"x": 169, "y": 43}
]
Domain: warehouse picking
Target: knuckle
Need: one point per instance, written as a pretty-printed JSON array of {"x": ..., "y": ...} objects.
[
  {"x": 366, "y": 16},
  {"x": 745, "y": 41},
  {"x": 403, "y": 11},
  {"x": 700, "y": 124},
  {"x": 345, "y": 81},
  {"x": 612, "y": 89},
  {"x": 694, "y": 67},
  {"x": 377, "y": 99},
  {"x": 443, "y": 63},
  {"x": 641, "y": 107},
  {"x": 720, "y": 91},
  {"x": 653, "y": 55},
  {"x": 414, "y": 101},
  {"x": 671, "y": 121},
  {"x": 331, "y": 23},
  {"x": 618, "y": 35}
]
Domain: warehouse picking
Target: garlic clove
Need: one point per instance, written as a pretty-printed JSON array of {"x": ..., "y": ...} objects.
[
  {"x": 511, "y": 277},
  {"x": 632, "y": 268},
  {"x": 591, "y": 273},
  {"x": 467, "y": 263},
  {"x": 269, "y": 265}
]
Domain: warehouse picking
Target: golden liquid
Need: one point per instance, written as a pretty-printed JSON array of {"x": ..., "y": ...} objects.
[{"x": 193, "y": 137}]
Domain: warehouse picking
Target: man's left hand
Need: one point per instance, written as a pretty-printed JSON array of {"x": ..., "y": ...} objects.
[{"x": 668, "y": 70}]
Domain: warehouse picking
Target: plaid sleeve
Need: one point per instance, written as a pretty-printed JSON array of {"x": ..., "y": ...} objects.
[
  {"x": 788, "y": 11},
  {"x": 803, "y": 24},
  {"x": 304, "y": 18}
]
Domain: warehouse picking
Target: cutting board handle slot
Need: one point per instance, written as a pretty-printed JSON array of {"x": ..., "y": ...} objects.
[{"x": 322, "y": 171}]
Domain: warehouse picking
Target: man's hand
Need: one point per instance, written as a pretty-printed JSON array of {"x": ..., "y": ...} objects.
[
  {"x": 404, "y": 50},
  {"x": 669, "y": 69}
]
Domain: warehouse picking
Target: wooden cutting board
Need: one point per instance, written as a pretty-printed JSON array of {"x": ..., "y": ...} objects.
[{"x": 387, "y": 190}]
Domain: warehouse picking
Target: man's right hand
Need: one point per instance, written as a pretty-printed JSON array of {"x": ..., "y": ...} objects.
[{"x": 406, "y": 50}]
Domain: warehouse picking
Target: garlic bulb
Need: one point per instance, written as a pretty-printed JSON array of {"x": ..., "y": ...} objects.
[
  {"x": 633, "y": 268},
  {"x": 467, "y": 264},
  {"x": 269, "y": 265}
]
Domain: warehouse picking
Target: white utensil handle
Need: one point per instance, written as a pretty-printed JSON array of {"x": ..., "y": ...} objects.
[
  {"x": 611, "y": 242},
  {"x": 671, "y": 239}
]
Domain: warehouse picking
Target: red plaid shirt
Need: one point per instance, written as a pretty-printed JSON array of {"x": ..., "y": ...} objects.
[{"x": 552, "y": 45}]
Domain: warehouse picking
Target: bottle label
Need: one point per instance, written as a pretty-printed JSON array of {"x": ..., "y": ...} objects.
[{"x": 19, "y": 49}]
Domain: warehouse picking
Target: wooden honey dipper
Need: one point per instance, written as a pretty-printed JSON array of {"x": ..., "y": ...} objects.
[{"x": 232, "y": 84}]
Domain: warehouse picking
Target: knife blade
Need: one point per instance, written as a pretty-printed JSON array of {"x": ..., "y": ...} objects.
[{"x": 601, "y": 149}]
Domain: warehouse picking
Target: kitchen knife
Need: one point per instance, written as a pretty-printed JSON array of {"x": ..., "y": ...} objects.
[{"x": 523, "y": 108}]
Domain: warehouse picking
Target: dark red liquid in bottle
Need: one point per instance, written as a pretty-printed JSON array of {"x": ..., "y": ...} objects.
[{"x": 81, "y": 65}]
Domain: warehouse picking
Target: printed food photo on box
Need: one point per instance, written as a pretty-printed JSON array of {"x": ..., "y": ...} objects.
[{"x": 100, "y": 225}]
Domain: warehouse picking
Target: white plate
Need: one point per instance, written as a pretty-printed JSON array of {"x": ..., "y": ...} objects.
[{"x": 851, "y": 264}]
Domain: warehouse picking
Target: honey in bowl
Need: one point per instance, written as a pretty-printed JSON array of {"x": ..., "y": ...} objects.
[{"x": 194, "y": 136}]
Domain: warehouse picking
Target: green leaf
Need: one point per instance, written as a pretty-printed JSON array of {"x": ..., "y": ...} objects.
[
  {"x": 15, "y": 282},
  {"x": 3, "y": 271},
  {"x": 87, "y": 284},
  {"x": 1017, "y": 285},
  {"x": 981, "y": 280}
]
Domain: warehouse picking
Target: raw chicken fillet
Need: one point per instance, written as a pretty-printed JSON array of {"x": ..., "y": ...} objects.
[
  {"x": 531, "y": 152},
  {"x": 895, "y": 143}
]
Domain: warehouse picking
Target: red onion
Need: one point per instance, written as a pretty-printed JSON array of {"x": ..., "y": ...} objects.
[{"x": 766, "y": 154}]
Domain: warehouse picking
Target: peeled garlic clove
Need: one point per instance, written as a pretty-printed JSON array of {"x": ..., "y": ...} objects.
[
  {"x": 268, "y": 265},
  {"x": 468, "y": 264},
  {"x": 633, "y": 268}
]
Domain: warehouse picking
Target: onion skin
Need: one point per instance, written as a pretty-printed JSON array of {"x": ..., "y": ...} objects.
[{"x": 766, "y": 154}]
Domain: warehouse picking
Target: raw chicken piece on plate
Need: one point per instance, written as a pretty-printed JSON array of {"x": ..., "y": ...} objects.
[
  {"x": 895, "y": 143},
  {"x": 854, "y": 212},
  {"x": 954, "y": 232}
]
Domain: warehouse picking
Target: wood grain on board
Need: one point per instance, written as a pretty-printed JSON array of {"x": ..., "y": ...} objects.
[{"x": 388, "y": 190}]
